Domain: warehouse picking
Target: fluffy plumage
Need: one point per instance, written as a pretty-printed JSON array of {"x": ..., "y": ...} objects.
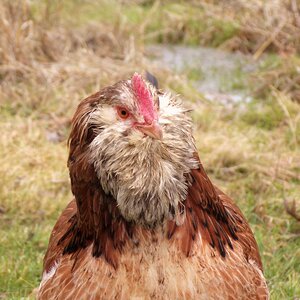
[{"x": 146, "y": 220}]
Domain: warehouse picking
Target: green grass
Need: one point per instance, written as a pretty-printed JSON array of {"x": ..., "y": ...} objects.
[
  {"x": 263, "y": 115},
  {"x": 252, "y": 153}
]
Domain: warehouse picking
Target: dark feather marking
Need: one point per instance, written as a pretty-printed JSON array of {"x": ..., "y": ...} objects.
[
  {"x": 205, "y": 207},
  {"x": 152, "y": 79},
  {"x": 171, "y": 229},
  {"x": 221, "y": 221}
]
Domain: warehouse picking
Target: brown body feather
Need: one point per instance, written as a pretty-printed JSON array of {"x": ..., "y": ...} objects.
[{"x": 96, "y": 253}]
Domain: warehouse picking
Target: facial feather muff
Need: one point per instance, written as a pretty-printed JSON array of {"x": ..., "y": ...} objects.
[{"x": 143, "y": 151}]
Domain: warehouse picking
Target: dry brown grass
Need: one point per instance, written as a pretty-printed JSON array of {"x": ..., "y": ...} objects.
[
  {"x": 262, "y": 25},
  {"x": 283, "y": 75},
  {"x": 56, "y": 59}
]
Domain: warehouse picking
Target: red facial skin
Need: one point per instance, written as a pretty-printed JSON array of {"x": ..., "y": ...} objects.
[{"x": 150, "y": 127}]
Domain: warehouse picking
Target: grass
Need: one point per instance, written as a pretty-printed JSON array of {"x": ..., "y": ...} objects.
[
  {"x": 53, "y": 54},
  {"x": 281, "y": 73}
]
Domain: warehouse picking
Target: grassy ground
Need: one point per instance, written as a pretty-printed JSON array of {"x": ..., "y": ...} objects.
[{"x": 52, "y": 55}]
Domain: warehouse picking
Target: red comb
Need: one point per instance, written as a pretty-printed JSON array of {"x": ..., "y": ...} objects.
[{"x": 144, "y": 98}]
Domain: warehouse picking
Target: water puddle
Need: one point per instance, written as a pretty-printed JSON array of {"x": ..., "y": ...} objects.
[{"x": 218, "y": 75}]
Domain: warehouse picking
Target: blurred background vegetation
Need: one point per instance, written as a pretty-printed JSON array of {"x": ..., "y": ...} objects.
[{"x": 236, "y": 63}]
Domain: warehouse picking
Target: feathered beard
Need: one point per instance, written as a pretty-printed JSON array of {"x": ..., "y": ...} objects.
[{"x": 148, "y": 178}]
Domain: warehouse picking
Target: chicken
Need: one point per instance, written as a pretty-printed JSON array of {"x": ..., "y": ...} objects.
[{"x": 146, "y": 221}]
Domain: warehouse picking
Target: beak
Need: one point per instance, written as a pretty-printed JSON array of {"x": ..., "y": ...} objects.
[{"x": 153, "y": 130}]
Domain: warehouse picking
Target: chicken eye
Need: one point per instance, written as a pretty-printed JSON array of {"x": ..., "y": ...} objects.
[{"x": 123, "y": 113}]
